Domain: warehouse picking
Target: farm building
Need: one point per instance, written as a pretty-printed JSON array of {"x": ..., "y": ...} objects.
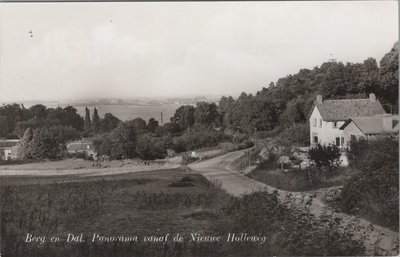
[
  {"x": 9, "y": 149},
  {"x": 373, "y": 126},
  {"x": 328, "y": 116},
  {"x": 81, "y": 146}
]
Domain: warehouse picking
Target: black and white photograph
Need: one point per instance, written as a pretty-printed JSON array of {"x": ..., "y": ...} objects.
[{"x": 199, "y": 128}]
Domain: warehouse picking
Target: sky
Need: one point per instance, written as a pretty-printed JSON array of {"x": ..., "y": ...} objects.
[{"x": 62, "y": 51}]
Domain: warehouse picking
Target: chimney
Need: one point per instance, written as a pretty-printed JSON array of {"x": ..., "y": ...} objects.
[
  {"x": 372, "y": 97},
  {"x": 319, "y": 99}
]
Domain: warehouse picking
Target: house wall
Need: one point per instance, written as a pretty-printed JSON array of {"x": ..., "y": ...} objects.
[
  {"x": 349, "y": 130},
  {"x": 326, "y": 132},
  {"x": 6, "y": 154},
  {"x": 14, "y": 152}
]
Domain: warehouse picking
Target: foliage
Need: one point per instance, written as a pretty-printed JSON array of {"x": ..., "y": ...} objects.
[
  {"x": 87, "y": 125},
  {"x": 250, "y": 114},
  {"x": 290, "y": 99},
  {"x": 152, "y": 125},
  {"x": 197, "y": 139},
  {"x": 296, "y": 134},
  {"x": 150, "y": 148},
  {"x": 109, "y": 123},
  {"x": 43, "y": 145},
  {"x": 289, "y": 230},
  {"x": 184, "y": 117},
  {"x": 139, "y": 124},
  {"x": 206, "y": 114},
  {"x": 325, "y": 156},
  {"x": 119, "y": 143},
  {"x": 95, "y": 121},
  {"x": 307, "y": 179},
  {"x": 24, "y": 145},
  {"x": 375, "y": 191}
]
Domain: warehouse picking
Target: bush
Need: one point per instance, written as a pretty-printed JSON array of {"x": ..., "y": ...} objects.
[
  {"x": 150, "y": 148},
  {"x": 297, "y": 134},
  {"x": 196, "y": 139},
  {"x": 268, "y": 133},
  {"x": 375, "y": 191},
  {"x": 325, "y": 156},
  {"x": 289, "y": 230}
]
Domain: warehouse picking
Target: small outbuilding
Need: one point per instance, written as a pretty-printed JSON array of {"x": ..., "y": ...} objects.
[
  {"x": 9, "y": 149},
  {"x": 368, "y": 127}
]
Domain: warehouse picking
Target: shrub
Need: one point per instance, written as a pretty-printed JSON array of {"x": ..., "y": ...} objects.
[
  {"x": 297, "y": 134},
  {"x": 289, "y": 230},
  {"x": 375, "y": 191},
  {"x": 325, "y": 156},
  {"x": 150, "y": 148},
  {"x": 197, "y": 139}
]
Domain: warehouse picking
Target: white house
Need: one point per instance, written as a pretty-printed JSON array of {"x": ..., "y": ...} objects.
[
  {"x": 8, "y": 149},
  {"x": 368, "y": 127},
  {"x": 81, "y": 146},
  {"x": 327, "y": 116}
]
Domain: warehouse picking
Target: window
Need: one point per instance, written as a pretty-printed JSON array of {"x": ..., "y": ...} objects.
[
  {"x": 338, "y": 141},
  {"x": 315, "y": 122},
  {"x": 342, "y": 141},
  {"x": 334, "y": 124},
  {"x": 320, "y": 122}
]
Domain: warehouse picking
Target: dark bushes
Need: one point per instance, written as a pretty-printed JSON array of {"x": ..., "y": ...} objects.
[{"x": 375, "y": 191}]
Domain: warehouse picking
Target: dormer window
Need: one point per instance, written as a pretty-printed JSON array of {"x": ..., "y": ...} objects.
[{"x": 320, "y": 123}]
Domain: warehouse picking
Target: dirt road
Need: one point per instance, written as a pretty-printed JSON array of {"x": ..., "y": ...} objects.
[{"x": 220, "y": 170}]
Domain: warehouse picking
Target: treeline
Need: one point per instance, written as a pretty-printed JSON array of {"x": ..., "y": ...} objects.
[
  {"x": 290, "y": 99},
  {"x": 15, "y": 119},
  {"x": 45, "y": 132},
  {"x": 191, "y": 127}
]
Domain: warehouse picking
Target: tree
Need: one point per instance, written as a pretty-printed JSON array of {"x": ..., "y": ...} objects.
[
  {"x": 389, "y": 77},
  {"x": 152, "y": 125},
  {"x": 184, "y": 117},
  {"x": 109, "y": 122},
  {"x": 207, "y": 114},
  {"x": 150, "y": 148},
  {"x": 95, "y": 121},
  {"x": 87, "y": 125},
  {"x": 43, "y": 145},
  {"x": 24, "y": 149},
  {"x": 4, "y": 129},
  {"x": 325, "y": 156},
  {"x": 38, "y": 111},
  {"x": 375, "y": 190},
  {"x": 138, "y": 123},
  {"x": 119, "y": 143}
]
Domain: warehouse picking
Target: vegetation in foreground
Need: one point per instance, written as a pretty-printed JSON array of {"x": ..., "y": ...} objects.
[
  {"x": 157, "y": 203},
  {"x": 301, "y": 180},
  {"x": 374, "y": 192}
]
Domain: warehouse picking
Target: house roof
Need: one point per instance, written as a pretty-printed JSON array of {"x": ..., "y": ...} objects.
[
  {"x": 8, "y": 143},
  {"x": 379, "y": 124},
  {"x": 76, "y": 146},
  {"x": 344, "y": 109}
]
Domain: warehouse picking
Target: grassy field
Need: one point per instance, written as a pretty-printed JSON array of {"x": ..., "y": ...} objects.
[
  {"x": 141, "y": 204},
  {"x": 296, "y": 180}
]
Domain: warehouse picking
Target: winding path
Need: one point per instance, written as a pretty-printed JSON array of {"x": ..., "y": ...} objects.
[{"x": 220, "y": 171}]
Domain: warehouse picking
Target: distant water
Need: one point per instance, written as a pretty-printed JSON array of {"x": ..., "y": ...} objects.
[{"x": 128, "y": 112}]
